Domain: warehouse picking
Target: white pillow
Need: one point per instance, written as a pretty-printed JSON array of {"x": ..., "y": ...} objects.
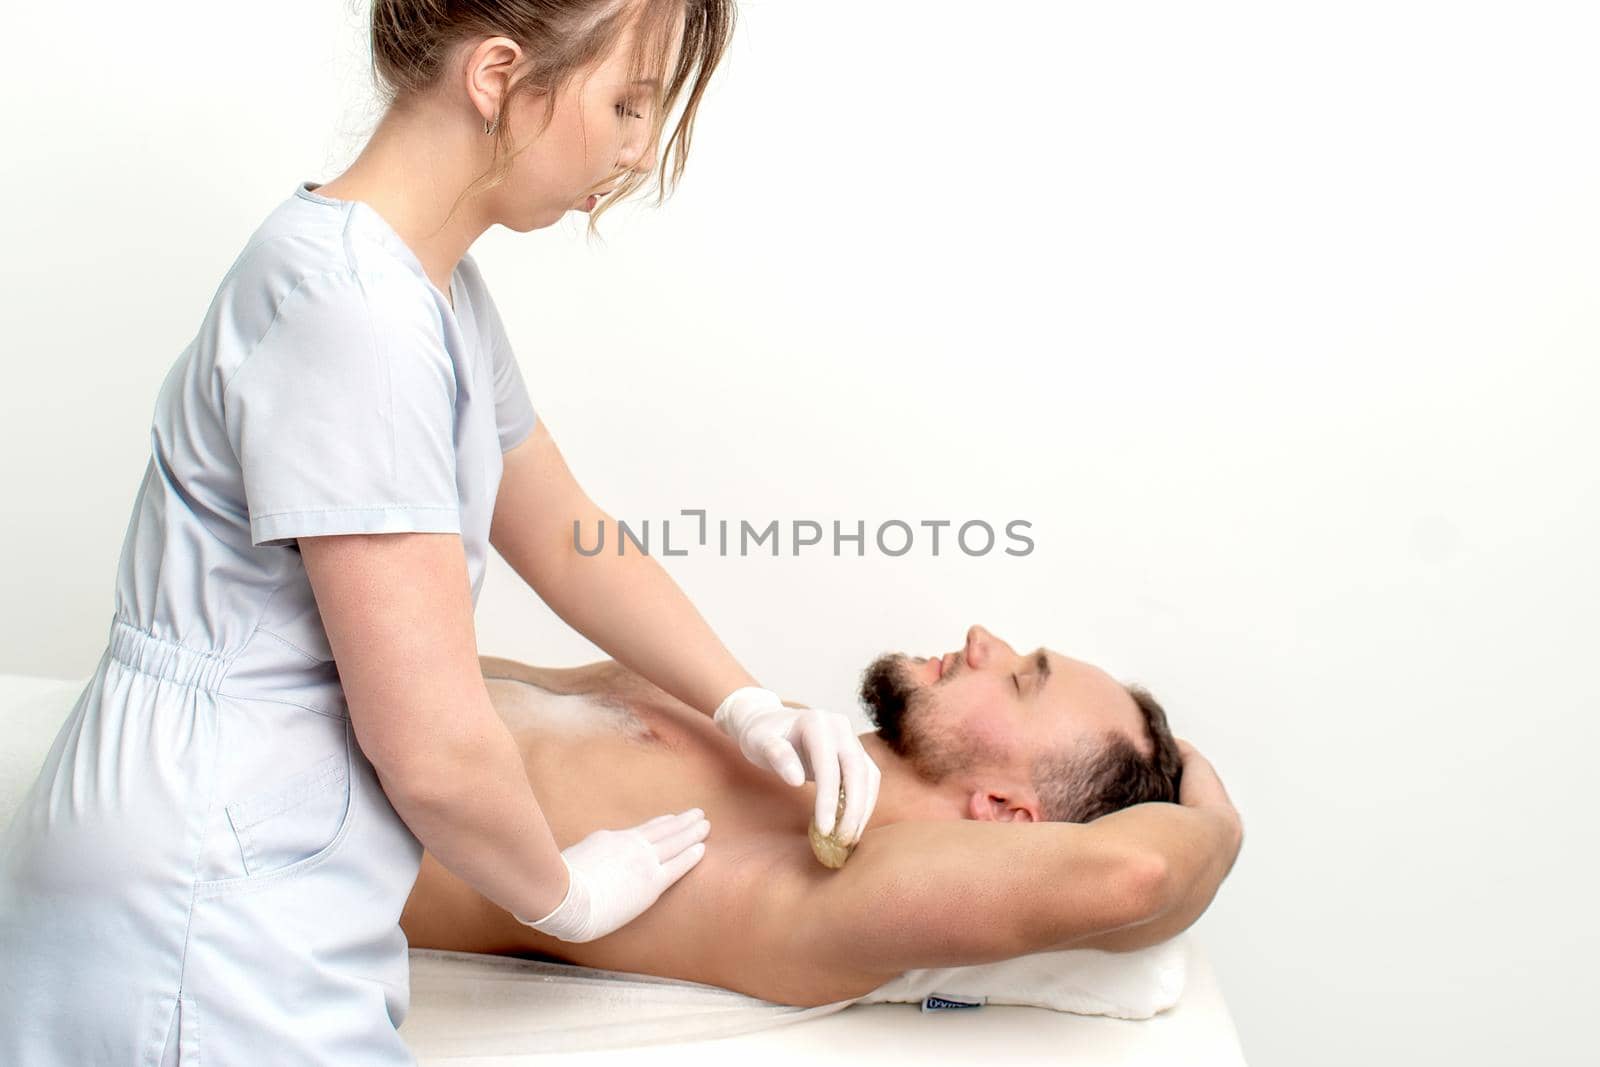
[{"x": 1084, "y": 981}]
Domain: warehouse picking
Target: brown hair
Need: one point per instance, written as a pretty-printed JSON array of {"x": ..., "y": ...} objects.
[
  {"x": 413, "y": 39},
  {"x": 1081, "y": 787}
]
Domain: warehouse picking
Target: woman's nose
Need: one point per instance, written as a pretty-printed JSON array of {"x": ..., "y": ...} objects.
[{"x": 639, "y": 157}]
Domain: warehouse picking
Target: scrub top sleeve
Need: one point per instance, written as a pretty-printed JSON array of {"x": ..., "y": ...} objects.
[
  {"x": 513, "y": 409},
  {"x": 514, "y": 415},
  {"x": 343, "y": 415}
]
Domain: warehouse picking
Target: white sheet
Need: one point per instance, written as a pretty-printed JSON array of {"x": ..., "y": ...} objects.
[
  {"x": 474, "y": 1009},
  {"x": 454, "y": 1021}
]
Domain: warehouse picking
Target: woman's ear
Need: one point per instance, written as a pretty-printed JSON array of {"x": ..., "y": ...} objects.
[{"x": 488, "y": 69}]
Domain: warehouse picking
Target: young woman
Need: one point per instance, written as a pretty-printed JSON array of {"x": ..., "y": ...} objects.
[{"x": 212, "y": 864}]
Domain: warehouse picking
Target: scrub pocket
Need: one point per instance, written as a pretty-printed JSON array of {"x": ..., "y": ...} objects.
[{"x": 294, "y": 818}]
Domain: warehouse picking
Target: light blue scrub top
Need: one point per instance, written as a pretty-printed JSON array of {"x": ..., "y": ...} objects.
[
  {"x": 332, "y": 389},
  {"x": 207, "y": 869}
]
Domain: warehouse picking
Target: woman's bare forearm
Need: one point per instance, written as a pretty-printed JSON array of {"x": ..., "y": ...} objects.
[
  {"x": 626, "y": 604},
  {"x": 632, "y": 608},
  {"x": 469, "y": 802}
]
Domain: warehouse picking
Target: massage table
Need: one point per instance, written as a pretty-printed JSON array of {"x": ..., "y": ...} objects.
[{"x": 472, "y": 1010}]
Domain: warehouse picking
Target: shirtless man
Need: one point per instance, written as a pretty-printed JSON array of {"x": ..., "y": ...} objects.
[{"x": 971, "y": 746}]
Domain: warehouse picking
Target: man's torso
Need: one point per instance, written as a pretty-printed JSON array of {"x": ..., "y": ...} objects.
[{"x": 604, "y": 749}]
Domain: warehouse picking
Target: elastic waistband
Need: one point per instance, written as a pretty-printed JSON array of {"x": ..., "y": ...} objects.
[{"x": 149, "y": 654}]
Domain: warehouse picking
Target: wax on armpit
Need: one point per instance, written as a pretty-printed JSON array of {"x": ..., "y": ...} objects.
[{"x": 829, "y": 850}]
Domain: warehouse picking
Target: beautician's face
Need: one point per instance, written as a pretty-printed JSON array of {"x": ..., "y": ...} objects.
[
  {"x": 602, "y": 128},
  {"x": 986, "y": 705}
]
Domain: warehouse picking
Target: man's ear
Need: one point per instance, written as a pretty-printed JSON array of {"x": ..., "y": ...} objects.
[{"x": 985, "y": 805}]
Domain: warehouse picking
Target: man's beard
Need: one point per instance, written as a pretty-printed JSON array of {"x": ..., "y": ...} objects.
[{"x": 902, "y": 713}]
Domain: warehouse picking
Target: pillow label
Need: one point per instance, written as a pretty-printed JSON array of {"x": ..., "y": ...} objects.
[{"x": 941, "y": 1002}]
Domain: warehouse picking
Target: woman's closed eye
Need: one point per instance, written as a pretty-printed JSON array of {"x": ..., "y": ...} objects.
[{"x": 620, "y": 108}]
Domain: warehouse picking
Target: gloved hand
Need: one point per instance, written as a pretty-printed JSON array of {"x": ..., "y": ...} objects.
[
  {"x": 616, "y": 874},
  {"x": 805, "y": 744}
]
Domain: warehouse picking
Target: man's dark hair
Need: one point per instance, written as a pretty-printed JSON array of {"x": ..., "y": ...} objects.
[{"x": 1082, "y": 786}]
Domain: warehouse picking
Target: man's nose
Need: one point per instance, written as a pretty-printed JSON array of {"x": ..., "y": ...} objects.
[{"x": 979, "y": 641}]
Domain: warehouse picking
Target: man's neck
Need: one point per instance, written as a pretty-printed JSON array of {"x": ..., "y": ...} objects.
[{"x": 903, "y": 796}]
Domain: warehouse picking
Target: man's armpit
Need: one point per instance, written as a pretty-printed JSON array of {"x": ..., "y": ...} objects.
[{"x": 960, "y": 893}]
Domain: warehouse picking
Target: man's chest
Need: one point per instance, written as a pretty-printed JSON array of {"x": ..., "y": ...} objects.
[{"x": 724, "y": 922}]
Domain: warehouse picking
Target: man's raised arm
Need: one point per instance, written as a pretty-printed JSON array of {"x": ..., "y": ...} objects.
[
  {"x": 943, "y": 894},
  {"x": 1197, "y": 847},
  {"x": 1198, "y": 839}
]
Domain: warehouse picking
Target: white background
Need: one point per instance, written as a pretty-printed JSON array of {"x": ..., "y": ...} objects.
[{"x": 1277, "y": 321}]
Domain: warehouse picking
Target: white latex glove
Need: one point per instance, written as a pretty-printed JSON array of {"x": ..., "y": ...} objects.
[
  {"x": 805, "y": 744},
  {"x": 616, "y": 874}
]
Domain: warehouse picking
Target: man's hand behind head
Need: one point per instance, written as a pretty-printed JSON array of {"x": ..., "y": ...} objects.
[{"x": 1198, "y": 783}]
